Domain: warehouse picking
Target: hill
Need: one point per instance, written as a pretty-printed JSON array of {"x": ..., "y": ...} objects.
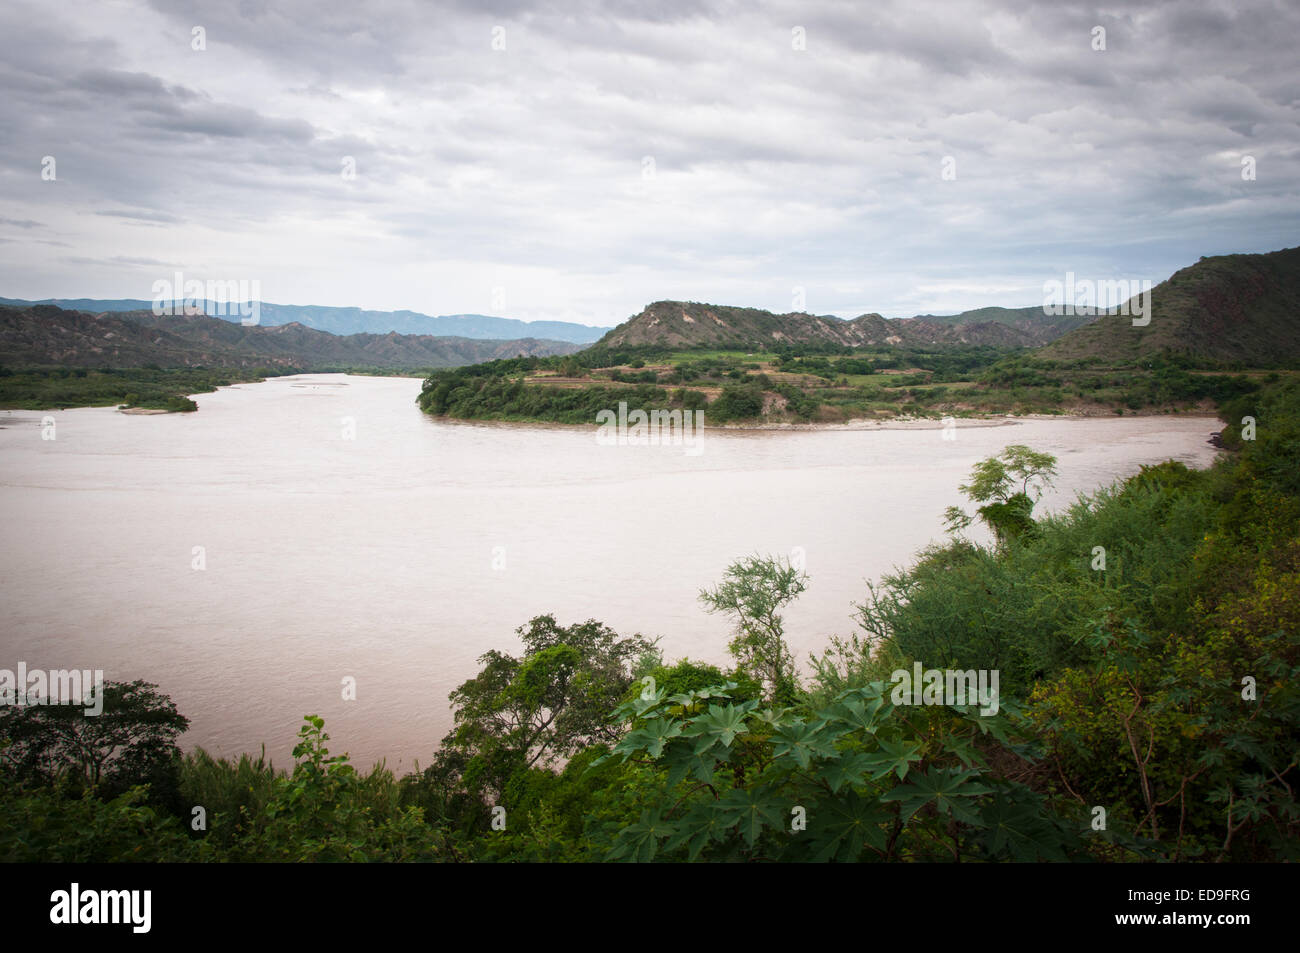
[
  {"x": 1039, "y": 328},
  {"x": 479, "y": 327},
  {"x": 48, "y": 335},
  {"x": 691, "y": 324},
  {"x": 1228, "y": 309}
]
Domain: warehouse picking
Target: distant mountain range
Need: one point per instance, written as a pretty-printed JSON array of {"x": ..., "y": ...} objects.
[
  {"x": 479, "y": 327},
  {"x": 689, "y": 324},
  {"x": 1242, "y": 309},
  {"x": 49, "y": 335},
  {"x": 1230, "y": 309}
]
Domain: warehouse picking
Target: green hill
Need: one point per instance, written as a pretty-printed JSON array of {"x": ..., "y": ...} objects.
[
  {"x": 1226, "y": 310},
  {"x": 45, "y": 335},
  {"x": 687, "y": 324},
  {"x": 1038, "y": 328}
]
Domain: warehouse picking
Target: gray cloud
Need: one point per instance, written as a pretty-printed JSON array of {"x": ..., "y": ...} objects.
[
  {"x": 615, "y": 153},
  {"x": 139, "y": 216}
]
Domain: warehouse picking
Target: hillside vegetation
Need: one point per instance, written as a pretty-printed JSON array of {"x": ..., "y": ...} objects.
[
  {"x": 1217, "y": 330},
  {"x": 1225, "y": 311},
  {"x": 678, "y": 324}
]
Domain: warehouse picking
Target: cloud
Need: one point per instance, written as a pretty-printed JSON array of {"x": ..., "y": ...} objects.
[
  {"x": 616, "y": 153},
  {"x": 139, "y": 216}
]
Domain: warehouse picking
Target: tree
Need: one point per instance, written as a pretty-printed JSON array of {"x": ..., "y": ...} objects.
[
  {"x": 753, "y": 592},
  {"x": 1008, "y": 485},
  {"x": 737, "y": 402},
  {"x": 521, "y": 713},
  {"x": 131, "y": 742}
]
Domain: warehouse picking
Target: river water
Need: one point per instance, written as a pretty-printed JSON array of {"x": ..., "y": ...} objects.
[{"x": 343, "y": 534}]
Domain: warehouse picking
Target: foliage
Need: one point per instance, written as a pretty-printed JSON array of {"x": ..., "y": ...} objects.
[
  {"x": 326, "y": 811},
  {"x": 40, "y": 824},
  {"x": 1007, "y": 508},
  {"x": 42, "y": 388},
  {"x": 521, "y": 713},
  {"x": 131, "y": 742},
  {"x": 859, "y": 780},
  {"x": 752, "y": 592},
  {"x": 1148, "y": 643}
]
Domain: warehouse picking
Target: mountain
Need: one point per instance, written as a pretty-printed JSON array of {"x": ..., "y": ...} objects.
[
  {"x": 690, "y": 324},
  {"x": 358, "y": 321},
  {"x": 47, "y": 335},
  {"x": 1038, "y": 327},
  {"x": 1240, "y": 309}
]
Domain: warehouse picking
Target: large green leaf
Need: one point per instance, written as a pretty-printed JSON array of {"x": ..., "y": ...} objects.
[
  {"x": 841, "y": 829},
  {"x": 719, "y": 725},
  {"x": 895, "y": 756},
  {"x": 846, "y": 769},
  {"x": 802, "y": 742},
  {"x": 752, "y": 811},
  {"x": 945, "y": 788},
  {"x": 639, "y": 842}
]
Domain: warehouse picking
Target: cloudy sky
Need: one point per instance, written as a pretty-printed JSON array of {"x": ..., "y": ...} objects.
[{"x": 577, "y": 160}]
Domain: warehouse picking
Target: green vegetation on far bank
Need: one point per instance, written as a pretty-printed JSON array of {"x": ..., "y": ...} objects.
[
  {"x": 150, "y": 387},
  {"x": 825, "y": 383},
  {"x": 155, "y": 388}
]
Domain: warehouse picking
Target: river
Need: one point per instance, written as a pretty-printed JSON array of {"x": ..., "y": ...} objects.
[{"x": 342, "y": 533}]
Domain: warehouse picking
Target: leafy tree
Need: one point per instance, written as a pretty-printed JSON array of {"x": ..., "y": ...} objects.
[
  {"x": 1008, "y": 485},
  {"x": 737, "y": 402},
  {"x": 752, "y": 592},
  {"x": 526, "y": 712},
  {"x": 131, "y": 742}
]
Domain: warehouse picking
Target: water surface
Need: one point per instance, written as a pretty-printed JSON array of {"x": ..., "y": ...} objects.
[{"x": 344, "y": 533}]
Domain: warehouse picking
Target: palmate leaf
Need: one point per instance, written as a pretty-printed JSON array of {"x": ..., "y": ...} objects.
[
  {"x": 861, "y": 711},
  {"x": 687, "y": 699},
  {"x": 847, "y": 769},
  {"x": 681, "y": 761},
  {"x": 719, "y": 725},
  {"x": 696, "y": 829},
  {"x": 1016, "y": 829},
  {"x": 841, "y": 829},
  {"x": 1211, "y": 757},
  {"x": 802, "y": 742},
  {"x": 640, "y": 842},
  {"x": 1246, "y": 745},
  {"x": 774, "y": 718},
  {"x": 638, "y": 706},
  {"x": 893, "y": 756},
  {"x": 653, "y": 735},
  {"x": 960, "y": 745},
  {"x": 752, "y": 811},
  {"x": 945, "y": 788}
]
